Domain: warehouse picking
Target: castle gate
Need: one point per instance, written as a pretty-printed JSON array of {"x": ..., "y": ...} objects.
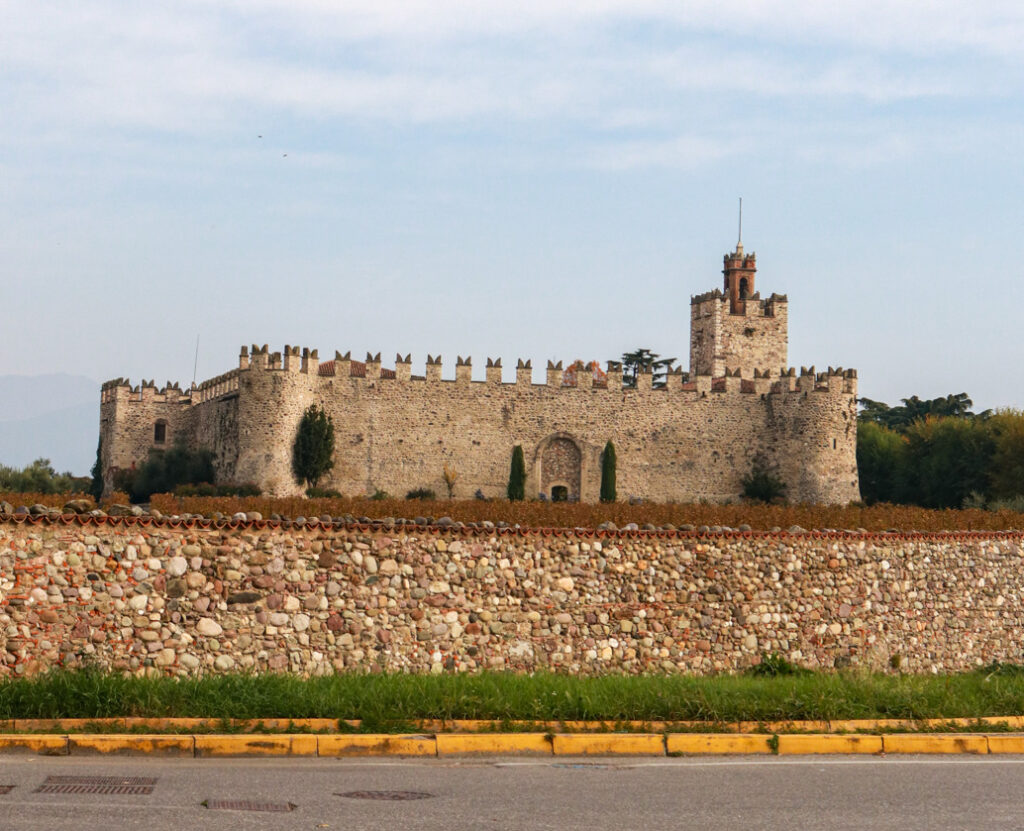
[{"x": 560, "y": 465}]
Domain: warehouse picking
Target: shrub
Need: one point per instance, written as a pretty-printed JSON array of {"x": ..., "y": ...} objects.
[
  {"x": 608, "y": 473},
  {"x": 421, "y": 493},
  {"x": 207, "y": 489},
  {"x": 313, "y": 450},
  {"x": 166, "y": 470},
  {"x": 517, "y": 476},
  {"x": 762, "y": 484},
  {"x": 323, "y": 493},
  {"x": 774, "y": 665},
  {"x": 40, "y": 477}
]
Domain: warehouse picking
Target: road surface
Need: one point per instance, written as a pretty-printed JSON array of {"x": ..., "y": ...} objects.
[{"x": 927, "y": 793}]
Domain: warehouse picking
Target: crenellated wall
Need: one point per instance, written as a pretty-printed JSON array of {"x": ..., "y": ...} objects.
[
  {"x": 694, "y": 439},
  {"x": 196, "y": 598}
]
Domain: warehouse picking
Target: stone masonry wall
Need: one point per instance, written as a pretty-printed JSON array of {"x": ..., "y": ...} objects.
[
  {"x": 681, "y": 444},
  {"x": 189, "y": 600},
  {"x": 720, "y": 341}
]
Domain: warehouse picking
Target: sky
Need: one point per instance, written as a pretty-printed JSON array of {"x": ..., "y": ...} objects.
[{"x": 545, "y": 179}]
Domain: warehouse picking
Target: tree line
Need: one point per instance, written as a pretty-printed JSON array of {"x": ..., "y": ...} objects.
[{"x": 938, "y": 453}]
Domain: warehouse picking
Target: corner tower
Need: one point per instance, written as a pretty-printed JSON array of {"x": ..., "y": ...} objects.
[{"x": 734, "y": 330}]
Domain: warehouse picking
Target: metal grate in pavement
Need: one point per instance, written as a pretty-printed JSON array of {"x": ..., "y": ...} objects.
[
  {"x": 388, "y": 796},
  {"x": 247, "y": 805},
  {"x": 108, "y": 785}
]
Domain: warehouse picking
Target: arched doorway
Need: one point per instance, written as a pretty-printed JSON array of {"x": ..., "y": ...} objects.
[{"x": 560, "y": 465}]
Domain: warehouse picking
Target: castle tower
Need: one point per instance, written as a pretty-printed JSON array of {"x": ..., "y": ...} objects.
[
  {"x": 739, "y": 270},
  {"x": 734, "y": 330}
]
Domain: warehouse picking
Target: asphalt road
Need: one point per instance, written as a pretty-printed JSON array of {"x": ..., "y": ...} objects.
[{"x": 932, "y": 793}]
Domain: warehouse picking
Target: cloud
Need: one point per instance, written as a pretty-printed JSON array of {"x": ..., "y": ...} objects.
[
  {"x": 685, "y": 152},
  {"x": 620, "y": 81}
]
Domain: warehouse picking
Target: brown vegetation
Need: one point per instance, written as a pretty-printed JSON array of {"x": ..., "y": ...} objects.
[{"x": 565, "y": 515}]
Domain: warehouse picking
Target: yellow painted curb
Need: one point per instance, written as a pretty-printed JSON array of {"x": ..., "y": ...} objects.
[
  {"x": 61, "y": 725},
  {"x": 703, "y": 743},
  {"x": 783, "y": 727},
  {"x": 608, "y": 744},
  {"x": 172, "y": 724},
  {"x": 828, "y": 743},
  {"x": 520, "y": 744},
  {"x": 368, "y": 744},
  {"x": 24, "y": 743},
  {"x": 1003, "y": 743},
  {"x": 300, "y": 744},
  {"x": 286, "y": 723},
  {"x": 131, "y": 745},
  {"x": 852, "y": 725},
  {"x": 935, "y": 743}
]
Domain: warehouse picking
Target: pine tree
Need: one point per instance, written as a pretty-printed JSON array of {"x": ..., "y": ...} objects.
[
  {"x": 608, "y": 473},
  {"x": 517, "y": 476},
  {"x": 314, "y": 446}
]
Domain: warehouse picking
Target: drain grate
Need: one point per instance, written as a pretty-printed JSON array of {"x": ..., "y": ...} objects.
[
  {"x": 6, "y": 788},
  {"x": 248, "y": 805},
  {"x": 582, "y": 765},
  {"x": 387, "y": 796},
  {"x": 128, "y": 785}
]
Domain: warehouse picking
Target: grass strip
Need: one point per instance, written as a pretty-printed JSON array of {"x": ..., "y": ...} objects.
[{"x": 394, "y": 703}]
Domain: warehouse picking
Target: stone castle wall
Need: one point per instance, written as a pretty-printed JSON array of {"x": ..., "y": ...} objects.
[
  {"x": 127, "y": 595},
  {"x": 688, "y": 442},
  {"x": 696, "y": 439}
]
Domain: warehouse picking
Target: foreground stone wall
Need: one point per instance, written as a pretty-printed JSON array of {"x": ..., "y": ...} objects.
[{"x": 130, "y": 595}]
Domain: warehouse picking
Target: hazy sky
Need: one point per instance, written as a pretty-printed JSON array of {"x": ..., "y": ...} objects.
[{"x": 514, "y": 178}]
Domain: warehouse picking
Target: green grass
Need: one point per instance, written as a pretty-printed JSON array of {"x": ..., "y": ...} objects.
[{"x": 394, "y": 702}]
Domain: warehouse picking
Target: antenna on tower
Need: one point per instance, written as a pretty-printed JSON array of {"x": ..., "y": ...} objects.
[
  {"x": 195, "y": 365},
  {"x": 739, "y": 239}
]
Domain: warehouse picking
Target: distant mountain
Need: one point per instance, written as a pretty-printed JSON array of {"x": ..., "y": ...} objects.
[{"x": 52, "y": 416}]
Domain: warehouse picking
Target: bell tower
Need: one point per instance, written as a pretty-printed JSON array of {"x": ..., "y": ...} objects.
[{"x": 739, "y": 270}]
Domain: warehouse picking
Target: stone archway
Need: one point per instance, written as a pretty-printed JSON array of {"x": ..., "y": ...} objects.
[{"x": 561, "y": 464}]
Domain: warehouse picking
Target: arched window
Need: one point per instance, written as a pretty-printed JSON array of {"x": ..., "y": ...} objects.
[
  {"x": 160, "y": 432},
  {"x": 744, "y": 288}
]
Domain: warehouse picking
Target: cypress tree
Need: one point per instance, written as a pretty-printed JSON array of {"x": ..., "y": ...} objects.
[
  {"x": 608, "y": 473},
  {"x": 96, "y": 485},
  {"x": 314, "y": 446},
  {"x": 517, "y": 476}
]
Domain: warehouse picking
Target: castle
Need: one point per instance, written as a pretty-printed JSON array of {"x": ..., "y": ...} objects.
[{"x": 695, "y": 438}]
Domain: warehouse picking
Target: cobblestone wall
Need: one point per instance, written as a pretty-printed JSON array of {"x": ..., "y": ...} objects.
[{"x": 315, "y": 600}]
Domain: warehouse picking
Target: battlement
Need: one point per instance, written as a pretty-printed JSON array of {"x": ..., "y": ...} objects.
[
  {"x": 753, "y": 305},
  {"x": 121, "y": 389},
  {"x": 578, "y": 375}
]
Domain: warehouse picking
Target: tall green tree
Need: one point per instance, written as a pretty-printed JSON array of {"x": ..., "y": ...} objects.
[
  {"x": 313, "y": 450},
  {"x": 881, "y": 459},
  {"x": 914, "y": 409},
  {"x": 96, "y": 486},
  {"x": 947, "y": 460},
  {"x": 608, "y": 473},
  {"x": 643, "y": 360},
  {"x": 517, "y": 476},
  {"x": 1006, "y": 471}
]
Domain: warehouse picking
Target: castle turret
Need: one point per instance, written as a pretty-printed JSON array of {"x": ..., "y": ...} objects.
[
  {"x": 735, "y": 329},
  {"x": 738, "y": 271}
]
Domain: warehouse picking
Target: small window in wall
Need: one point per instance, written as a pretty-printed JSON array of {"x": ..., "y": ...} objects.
[
  {"x": 160, "y": 432},
  {"x": 833, "y": 444},
  {"x": 559, "y": 493}
]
